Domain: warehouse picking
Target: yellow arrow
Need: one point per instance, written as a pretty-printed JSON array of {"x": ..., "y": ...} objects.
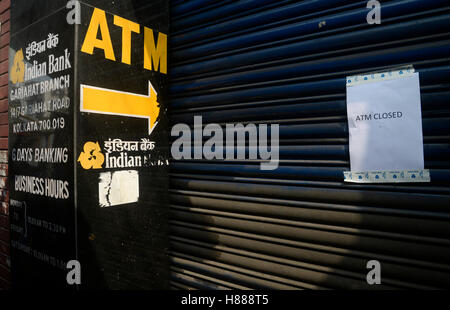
[{"x": 113, "y": 102}]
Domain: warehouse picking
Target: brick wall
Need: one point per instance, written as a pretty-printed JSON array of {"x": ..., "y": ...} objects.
[{"x": 4, "y": 219}]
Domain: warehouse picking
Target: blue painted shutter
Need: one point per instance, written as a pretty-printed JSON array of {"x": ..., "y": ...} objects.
[{"x": 301, "y": 226}]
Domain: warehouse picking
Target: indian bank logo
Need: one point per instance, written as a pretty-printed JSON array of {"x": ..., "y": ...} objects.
[
  {"x": 18, "y": 68},
  {"x": 91, "y": 157},
  {"x": 118, "y": 153}
]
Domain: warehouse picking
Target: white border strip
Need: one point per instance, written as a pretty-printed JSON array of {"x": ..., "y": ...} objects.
[
  {"x": 388, "y": 176},
  {"x": 377, "y": 77}
]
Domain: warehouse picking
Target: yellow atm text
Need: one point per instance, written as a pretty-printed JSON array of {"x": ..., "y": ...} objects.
[{"x": 155, "y": 53}]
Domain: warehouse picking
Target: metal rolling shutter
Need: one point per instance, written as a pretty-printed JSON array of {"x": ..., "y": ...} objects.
[{"x": 301, "y": 226}]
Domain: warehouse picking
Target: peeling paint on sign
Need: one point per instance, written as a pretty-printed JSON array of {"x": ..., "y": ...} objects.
[{"x": 118, "y": 188}]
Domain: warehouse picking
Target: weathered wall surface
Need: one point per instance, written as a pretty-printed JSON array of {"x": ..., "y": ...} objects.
[{"x": 4, "y": 221}]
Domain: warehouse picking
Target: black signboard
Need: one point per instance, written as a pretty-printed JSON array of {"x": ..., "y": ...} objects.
[{"x": 89, "y": 145}]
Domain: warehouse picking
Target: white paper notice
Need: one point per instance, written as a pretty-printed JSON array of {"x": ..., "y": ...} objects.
[
  {"x": 385, "y": 122},
  {"x": 118, "y": 188}
]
